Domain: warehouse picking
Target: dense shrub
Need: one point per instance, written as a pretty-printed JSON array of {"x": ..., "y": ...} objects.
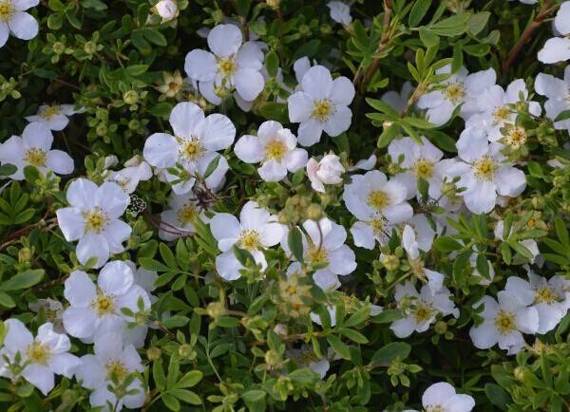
[{"x": 284, "y": 205}]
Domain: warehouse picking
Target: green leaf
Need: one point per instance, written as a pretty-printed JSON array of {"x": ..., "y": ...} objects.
[
  {"x": 255, "y": 400},
  {"x": 212, "y": 166},
  {"x": 339, "y": 347},
  {"x": 186, "y": 396},
  {"x": 451, "y": 26},
  {"x": 295, "y": 243},
  {"x": 483, "y": 266},
  {"x": 7, "y": 169},
  {"x": 23, "y": 280},
  {"x": 155, "y": 37},
  {"x": 497, "y": 395},
  {"x": 565, "y": 115},
  {"x": 418, "y": 12},
  {"x": 358, "y": 317},
  {"x": 190, "y": 379},
  {"x": 171, "y": 402},
  {"x": 353, "y": 335},
  {"x": 395, "y": 350},
  {"x": 6, "y": 300},
  {"x": 447, "y": 244},
  {"x": 478, "y": 21}
]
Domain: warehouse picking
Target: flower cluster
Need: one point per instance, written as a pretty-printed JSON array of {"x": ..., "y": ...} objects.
[{"x": 329, "y": 211}]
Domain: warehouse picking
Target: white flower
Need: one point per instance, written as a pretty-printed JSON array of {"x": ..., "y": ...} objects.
[
  {"x": 372, "y": 194},
  {"x": 275, "y": 148},
  {"x": 420, "y": 309},
  {"x": 112, "y": 360},
  {"x": 558, "y": 93},
  {"x": 93, "y": 219},
  {"x": 34, "y": 149},
  {"x": 230, "y": 65},
  {"x": 365, "y": 164},
  {"x": 557, "y": 49},
  {"x": 193, "y": 146},
  {"x": 167, "y": 9},
  {"x": 399, "y": 101},
  {"x": 485, "y": 172},
  {"x": 326, "y": 171},
  {"x": 443, "y": 184},
  {"x": 550, "y": 297},
  {"x": 178, "y": 220},
  {"x": 15, "y": 20},
  {"x": 340, "y": 12},
  {"x": 419, "y": 160},
  {"x": 41, "y": 357},
  {"x": 321, "y": 104},
  {"x": 503, "y": 322},
  {"x": 325, "y": 249},
  {"x": 459, "y": 89},
  {"x": 495, "y": 106},
  {"x": 55, "y": 117},
  {"x": 255, "y": 230},
  {"x": 96, "y": 309},
  {"x": 135, "y": 171},
  {"x": 529, "y": 244},
  {"x": 305, "y": 357},
  {"x": 300, "y": 67},
  {"x": 442, "y": 397}
]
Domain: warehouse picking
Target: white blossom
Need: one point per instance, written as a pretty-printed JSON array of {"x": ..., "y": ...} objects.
[
  {"x": 557, "y": 49},
  {"x": 55, "y": 117},
  {"x": 14, "y": 20},
  {"x": 557, "y": 92},
  {"x": 327, "y": 171}
]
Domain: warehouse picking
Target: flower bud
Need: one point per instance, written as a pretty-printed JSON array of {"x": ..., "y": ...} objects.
[
  {"x": 153, "y": 353},
  {"x": 167, "y": 9}
]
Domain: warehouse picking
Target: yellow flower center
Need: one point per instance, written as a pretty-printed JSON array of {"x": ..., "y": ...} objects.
[
  {"x": 484, "y": 168},
  {"x": 35, "y": 157},
  {"x": 516, "y": 137},
  {"x": 95, "y": 220},
  {"x": 187, "y": 214},
  {"x": 249, "y": 240},
  {"x": 317, "y": 255},
  {"x": 454, "y": 92},
  {"x": 227, "y": 66},
  {"x": 545, "y": 295},
  {"x": 378, "y": 199},
  {"x": 49, "y": 111},
  {"x": 275, "y": 150},
  {"x": 38, "y": 353},
  {"x": 322, "y": 110},
  {"x": 422, "y": 312},
  {"x": 505, "y": 322},
  {"x": 377, "y": 225},
  {"x": 423, "y": 169},
  {"x": 116, "y": 371},
  {"x": 6, "y": 10},
  {"x": 501, "y": 114},
  {"x": 191, "y": 149},
  {"x": 103, "y": 304}
]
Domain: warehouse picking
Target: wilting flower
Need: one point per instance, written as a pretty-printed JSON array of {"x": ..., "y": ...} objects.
[
  {"x": 504, "y": 322},
  {"x": 275, "y": 148},
  {"x": 327, "y": 171},
  {"x": 54, "y": 117},
  {"x": 111, "y": 364},
  {"x": 321, "y": 104},
  {"x": 14, "y": 20},
  {"x": 193, "y": 146},
  {"x": 34, "y": 149},
  {"x": 231, "y": 65},
  {"x": 135, "y": 171},
  {"x": 41, "y": 357},
  {"x": 93, "y": 219},
  {"x": 96, "y": 309},
  {"x": 255, "y": 230}
]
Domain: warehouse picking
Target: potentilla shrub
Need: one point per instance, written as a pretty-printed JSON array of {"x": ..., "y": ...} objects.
[{"x": 284, "y": 205}]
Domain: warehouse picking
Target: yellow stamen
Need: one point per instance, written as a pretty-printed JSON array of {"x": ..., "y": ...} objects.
[
  {"x": 95, "y": 220},
  {"x": 378, "y": 199},
  {"x": 275, "y": 150},
  {"x": 545, "y": 295},
  {"x": 38, "y": 353},
  {"x": 6, "y": 10},
  {"x": 249, "y": 240},
  {"x": 484, "y": 168},
  {"x": 516, "y": 137},
  {"x": 191, "y": 149},
  {"x": 322, "y": 109},
  {"x": 454, "y": 92},
  {"x": 422, "y": 312},
  {"x": 103, "y": 304},
  {"x": 227, "y": 66},
  {"x": 36, "y": 157},
  {"x": 116, "y": 371},
  {"x": 423, "y": 169},
  {"x": 505, "y": 322},
  {"x": 187, "y": 214},
  {"x": 501, "y": 114},
  {"x": 317, "y": 255},
  {"x": 49, "y": 111}
]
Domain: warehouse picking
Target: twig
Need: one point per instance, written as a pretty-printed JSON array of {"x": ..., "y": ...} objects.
[
  {"x": 361, "y": 78},
  {"x": 545, "y": 11}
]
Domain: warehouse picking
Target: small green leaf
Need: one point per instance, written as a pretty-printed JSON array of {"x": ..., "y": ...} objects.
[
  {"x": 295, "y": 243},
  {"x": 395, "y": 350}
]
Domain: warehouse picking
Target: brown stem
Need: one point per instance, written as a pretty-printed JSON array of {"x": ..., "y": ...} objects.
[
  {"x": 361, "y": 78},
  {"x": 545, "y": 11}
]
